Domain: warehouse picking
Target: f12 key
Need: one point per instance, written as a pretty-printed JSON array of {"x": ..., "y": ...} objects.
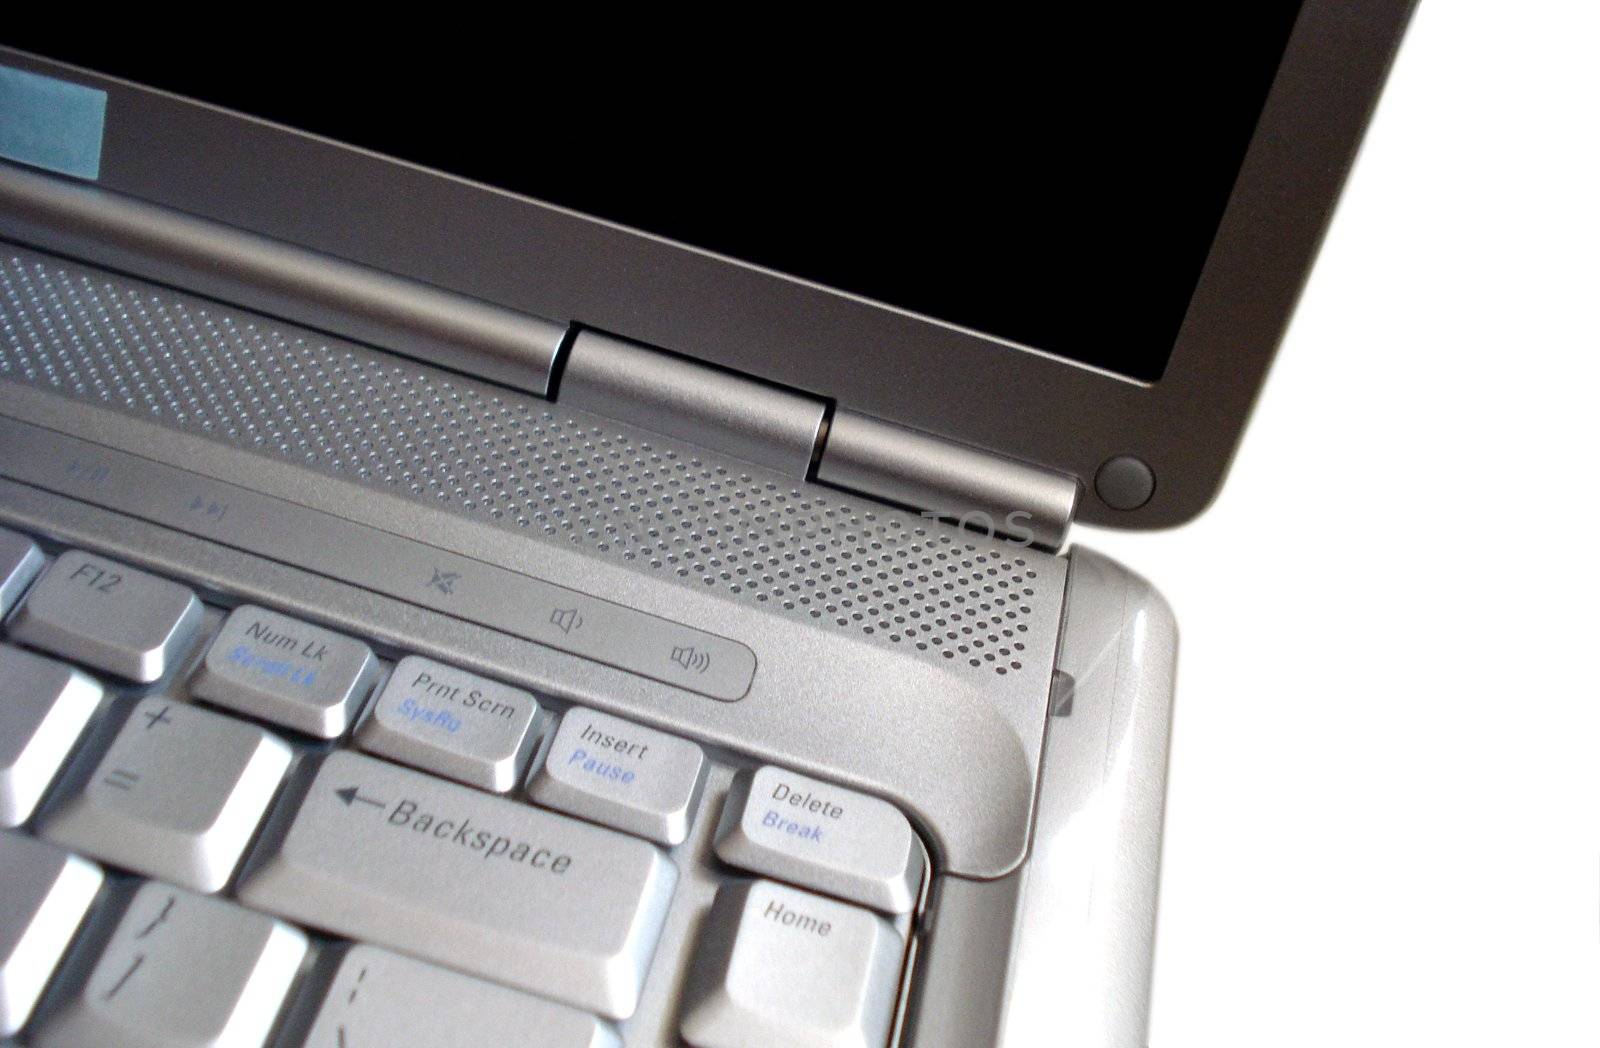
[{"x": 106, "y": 615}]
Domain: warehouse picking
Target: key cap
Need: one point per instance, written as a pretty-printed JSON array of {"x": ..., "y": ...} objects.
[
  {"x": 285, "y": 671},
  {"x": 182, "y": 971},
  {"x": 20, "y": 561},
  {"x": 783, "y": 968},
  {"x": 381, "y": 998},
  {"x": 453, "y": 723},
  {"x": 44, "y": 894},
  {"x": 631, "y": 778},
  {"x": 114, "y": 618},
  {"x": 44, "y": 707},
  {"x": 177, "y": 796},
  {"x": 823, "y": 837},
  {"x": 482, "y": 884}
]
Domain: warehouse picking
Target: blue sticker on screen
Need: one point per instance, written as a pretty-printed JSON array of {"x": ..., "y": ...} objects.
[{"x": 50, "y": 123}]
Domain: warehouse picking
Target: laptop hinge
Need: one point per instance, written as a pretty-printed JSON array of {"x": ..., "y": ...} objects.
[
  {"x": 741, "y": 416},
  {"x": 308, "y": 287},
  {"x": 797, "y": 434},
  {"x": 968, "y": 486}
]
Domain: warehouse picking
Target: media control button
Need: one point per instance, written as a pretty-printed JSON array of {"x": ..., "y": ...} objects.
[{"x": 383, "y": 561}]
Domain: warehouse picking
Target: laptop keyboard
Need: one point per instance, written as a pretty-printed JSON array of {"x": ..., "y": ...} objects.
[{"x": 230, "y": 826}]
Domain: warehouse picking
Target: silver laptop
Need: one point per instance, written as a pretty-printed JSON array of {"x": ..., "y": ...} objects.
[{"x": 471, "y": 579}]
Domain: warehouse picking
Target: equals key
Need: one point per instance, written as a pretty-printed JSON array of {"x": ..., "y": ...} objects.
[{"x": 177, "y": 796}]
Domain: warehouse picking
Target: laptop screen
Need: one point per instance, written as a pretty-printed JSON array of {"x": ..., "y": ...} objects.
[{"x": 1058, "y": 188}]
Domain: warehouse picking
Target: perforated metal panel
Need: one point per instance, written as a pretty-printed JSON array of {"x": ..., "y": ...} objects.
[{"x": 656, "y": 504}]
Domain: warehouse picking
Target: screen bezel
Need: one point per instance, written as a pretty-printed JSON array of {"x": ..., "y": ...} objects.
[{"x": 953, "y": 382}]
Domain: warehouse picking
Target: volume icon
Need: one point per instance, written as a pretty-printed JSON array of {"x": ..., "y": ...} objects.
[
  {"x": 566, "y": 619},
  {"x": 692, "y": 658}
]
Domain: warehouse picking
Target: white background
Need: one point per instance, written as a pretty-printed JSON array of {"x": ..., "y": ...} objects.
[{"x": 1384, "y": 808}]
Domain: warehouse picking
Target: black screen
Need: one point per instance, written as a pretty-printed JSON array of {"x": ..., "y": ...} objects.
[{"x": 1056, "y": 185}]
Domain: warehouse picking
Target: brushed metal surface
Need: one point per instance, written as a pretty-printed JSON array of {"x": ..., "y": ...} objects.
[
  {"x": 955, "y": 483},
  {"x": 1077, "y": 921},
  {"x": 972, "y": 922},
  {"x": 655, "y": 1022},
  {"x": 805, "y": 708},
  {"x": 1085, "y": 940},
  {"x": 681, "y": 398},
  {"x": 359, "y": 302},
  {"x": 518, "y": 603},
  {"x": 655, "y": 504},
  {"x": 872, "y": 703}
]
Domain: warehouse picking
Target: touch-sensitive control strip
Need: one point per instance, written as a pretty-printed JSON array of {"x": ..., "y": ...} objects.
[{"x": 387, "y": 563}]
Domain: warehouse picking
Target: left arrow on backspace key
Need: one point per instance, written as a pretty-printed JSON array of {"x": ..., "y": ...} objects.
[{"x": 351, "y": 795}]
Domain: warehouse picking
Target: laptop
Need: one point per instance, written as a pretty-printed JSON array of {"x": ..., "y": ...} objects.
[{"x": 608, "y": 576}]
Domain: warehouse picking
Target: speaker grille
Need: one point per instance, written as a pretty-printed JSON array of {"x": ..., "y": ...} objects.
[{"x": 660, "y": 505}]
